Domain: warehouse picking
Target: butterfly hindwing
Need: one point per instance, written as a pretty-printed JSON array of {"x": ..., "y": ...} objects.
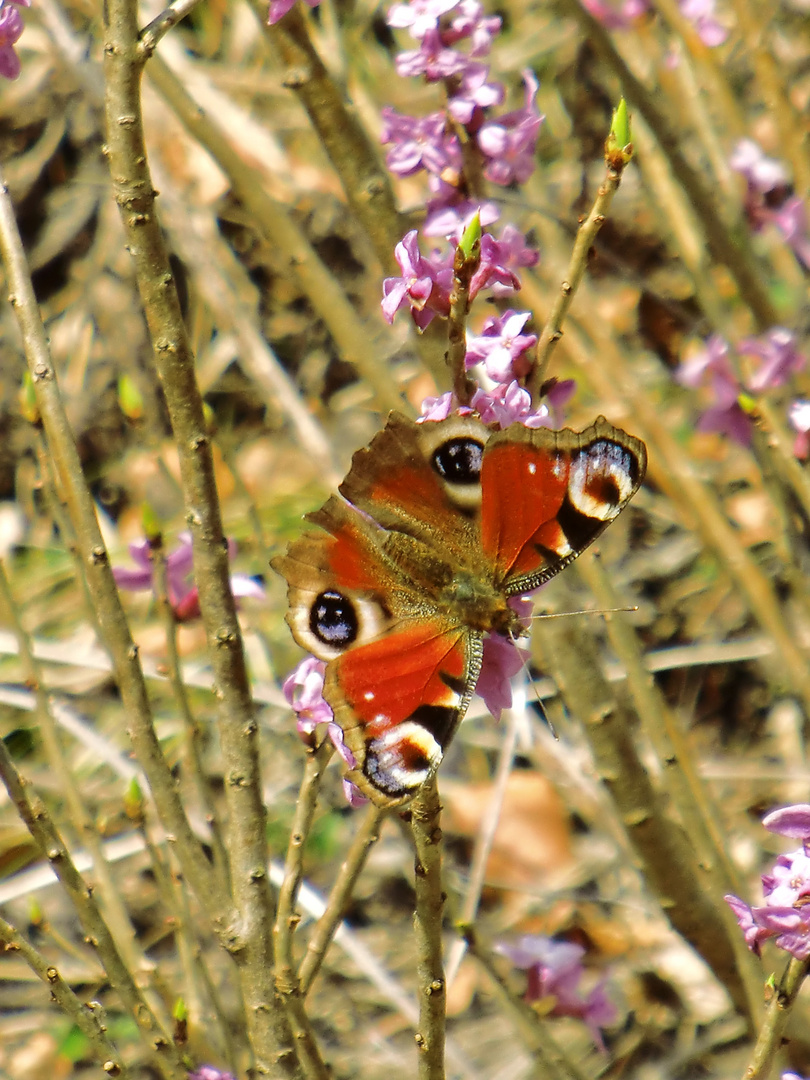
[
  {"x": 341, "y": 590},
  {"x": 399, "y": 700}
]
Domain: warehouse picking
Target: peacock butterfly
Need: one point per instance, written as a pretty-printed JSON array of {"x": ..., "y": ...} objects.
[{"x": 441, "y": 525}]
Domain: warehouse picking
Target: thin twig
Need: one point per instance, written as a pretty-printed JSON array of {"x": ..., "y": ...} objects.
[
  {"x": 160, "y": 26},
  {"x": 121, "y": 928},
  {"x": 86, "y": 1020},
  {"x": 287, "y": 918},
  {"x": 667, "y": 858},
  {"x": 355, "y": 158},
  {"x": 427, "y": 836},
  {"x": 229, "y": 1021},
  {"x": 586, "y": 234},
  {"x": 95, "y": 564},
  {"x": 463, "y": 269},
  {"x": 195, "y": 770},
  {"x": 780, "y": 441},
  {"x": 777, "y": 1015},
  {"x": 733, "y": 251},
  {"x": 697, "y": 813},
  {"x": 250, "y": 933},
  {"x": 340, "y": 894},
  {"x": 486, "y": 834}
]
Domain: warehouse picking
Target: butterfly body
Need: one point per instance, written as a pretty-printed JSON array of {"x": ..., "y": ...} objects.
[{"x": 441, "y": 526}]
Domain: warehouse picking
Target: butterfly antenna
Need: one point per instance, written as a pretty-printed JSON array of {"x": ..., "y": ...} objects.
[
  {"x": 583, "y": 611},
  {"x": 544, "y": 714},
  {"x": 537, "y": 698}
]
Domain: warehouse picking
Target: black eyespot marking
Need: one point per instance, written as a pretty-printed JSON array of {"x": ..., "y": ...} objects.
[
  {"x": 459, "y": 460},
  {"x": 333, "y": 619}
]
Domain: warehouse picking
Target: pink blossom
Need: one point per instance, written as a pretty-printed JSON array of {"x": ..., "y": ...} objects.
[
  {"x": 502, "y": 660},
  {"x": 778, "y": 355},
  {"x": 439, "y": 408},
  {"x": 432, "y": 59},
  {"x": 11, "y": 27},
  {"x": 621, "y": 15},
  {"x": 493, "y": 268},
  {"x": 711, "y": 363},
  {"x": 701, "y": 14},
  {"x": 711, "y": 357},
  {"x": 799, "y": 416},
  {"x": 554, "y": 974},
  {"x": 768, "y": 199},
  {"x": 470, "y": 22},
  {"x": 449, "y": 212},
  {"x": 558, "y": 394},
  {"x": 788, "y": 885},
  {"x": 502, "y": 347},
  {"x": 792, "y": 821},
  {"x": 419, "y": 143},
  {"x": 514, "y": 250},
  {"x": 210, "y": 1072},
  {"x": 509, "y": 142},
  {"x": 761, "y": 172},
  {"x": 726, "y": 415},
  {"x": 615, "y": 16},
  {"x": 424, "y": 286},
  {"x": 509, "y": 403},
  {"x": 419, "y": 16},
  {"x": 303, "y": 689},
  {"x": 506, "y": 404},
  {"x": 473, "y": 93},
  {"x": 791, "y": 220},
  {"x": 353, "y": 795},
  {"x": 785, "y": 916}
]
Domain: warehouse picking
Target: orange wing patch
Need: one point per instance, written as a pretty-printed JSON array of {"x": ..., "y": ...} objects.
[{"x": 523, "y": 488}]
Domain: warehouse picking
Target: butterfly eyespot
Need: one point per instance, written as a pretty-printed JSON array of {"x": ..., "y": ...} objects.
[
  {"x": 333, "y": 619},
  {"x": 459, "y": 460}
]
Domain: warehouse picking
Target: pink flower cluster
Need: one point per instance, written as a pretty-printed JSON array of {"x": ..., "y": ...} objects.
[
  {"x": 426, "y": 282},
  {"x": 554, "y": 974},
  {"x": 508, "y": 403},
  {"x": 785, "y": 915},
  {"x": 620, "y": 14},
  {"x": 11, "y": 27},
  {"x": 505, "y": 144},
  {"x": 769, "y": 199},
  {"x": 775, "y": 357}
]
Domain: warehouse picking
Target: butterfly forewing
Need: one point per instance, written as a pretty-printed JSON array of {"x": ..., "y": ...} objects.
[{"x": 547, "y": 495}]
